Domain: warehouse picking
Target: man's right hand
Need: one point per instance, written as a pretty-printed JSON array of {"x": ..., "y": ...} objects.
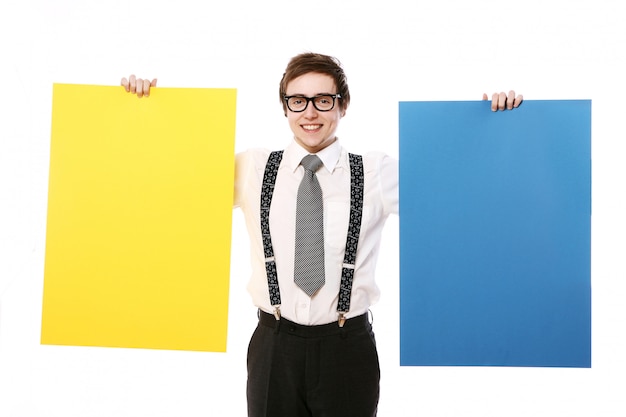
[{"x": 138, "y": 86}]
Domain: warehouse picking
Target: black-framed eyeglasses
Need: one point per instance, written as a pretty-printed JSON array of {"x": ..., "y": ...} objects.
[{"x": 322, "y": 102}]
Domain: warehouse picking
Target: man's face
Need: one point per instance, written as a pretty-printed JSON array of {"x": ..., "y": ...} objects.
[{"x": 313, "y": 129}]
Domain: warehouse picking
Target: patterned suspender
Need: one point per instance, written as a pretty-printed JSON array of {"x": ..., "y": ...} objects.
[
  {"x": 267, "y": 191},
  {"x": 354, "y": 229},
  {"x": 357, "y": 178}
]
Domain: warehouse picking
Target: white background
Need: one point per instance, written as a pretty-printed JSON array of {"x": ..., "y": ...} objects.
[{"x": 392, "y": 50}]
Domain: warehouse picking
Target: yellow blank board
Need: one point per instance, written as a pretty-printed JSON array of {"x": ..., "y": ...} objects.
[{"x": 139, "y": 218}]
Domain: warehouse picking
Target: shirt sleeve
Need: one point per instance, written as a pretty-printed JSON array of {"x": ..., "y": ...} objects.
[
  {"x": 389, "y": 179},
  {"x": 249, "y": 167},
  {"x": 242, "y": 167}
]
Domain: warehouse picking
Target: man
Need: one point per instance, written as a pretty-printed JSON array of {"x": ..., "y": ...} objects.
[{"x": 313, "y": 352}]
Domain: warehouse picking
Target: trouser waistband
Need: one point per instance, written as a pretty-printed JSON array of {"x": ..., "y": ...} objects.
[{"x": 287, "y": 326}]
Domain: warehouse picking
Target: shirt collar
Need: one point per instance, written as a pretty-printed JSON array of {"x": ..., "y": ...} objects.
[{"x": 329, "y": 155}]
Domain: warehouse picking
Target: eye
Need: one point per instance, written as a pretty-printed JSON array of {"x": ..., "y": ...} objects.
[
  {"x": 324, "y": 100},
  {"x": 296, "y": 101}
]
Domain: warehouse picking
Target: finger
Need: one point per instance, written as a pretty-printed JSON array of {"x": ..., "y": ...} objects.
[
  {"x": 485, "y": 97},
  {"x": 501, "y": 101},
  {"x": 510, "y": 100},
  {"x": 132, "y": 81},
  {"x": 153, "y": 83},
  {"x": 125, "y": 84},
  {"x": 518, "y": 101},
  {"x": 139, "y": 89},
  {"x": 494, "y": 101},
  {"x": 146, "y": 87}
]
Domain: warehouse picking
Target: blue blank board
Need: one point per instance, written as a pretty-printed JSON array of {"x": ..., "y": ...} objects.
[{"x": 495, "y": 214}]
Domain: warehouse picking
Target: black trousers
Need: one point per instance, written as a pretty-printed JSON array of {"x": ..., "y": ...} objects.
[{"x": 312, "y": 371}]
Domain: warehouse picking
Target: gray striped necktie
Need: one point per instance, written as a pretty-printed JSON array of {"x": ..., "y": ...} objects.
[{"x": 309, "y": 254}]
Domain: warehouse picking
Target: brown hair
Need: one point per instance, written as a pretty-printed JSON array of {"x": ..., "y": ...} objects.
[{"x": 322, "y": 64}]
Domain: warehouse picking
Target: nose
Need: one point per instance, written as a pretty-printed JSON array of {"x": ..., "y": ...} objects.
[{"x": 310, "y": 112}]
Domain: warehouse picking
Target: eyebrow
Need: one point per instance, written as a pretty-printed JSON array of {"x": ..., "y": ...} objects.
[{"x": 315, "y": 95}]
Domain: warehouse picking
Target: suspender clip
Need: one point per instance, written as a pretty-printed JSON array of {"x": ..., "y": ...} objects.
[
  {"x": 277, "y": 312},
  {"x": 342, "y": 319}
]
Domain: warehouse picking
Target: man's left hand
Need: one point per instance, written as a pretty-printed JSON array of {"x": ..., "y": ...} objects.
[{"x": 502, "y": 101}]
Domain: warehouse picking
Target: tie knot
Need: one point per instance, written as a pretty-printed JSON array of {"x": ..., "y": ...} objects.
[{"x": 311, "y": 163}]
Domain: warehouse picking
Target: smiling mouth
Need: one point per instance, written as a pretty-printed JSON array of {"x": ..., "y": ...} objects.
[{"x": 311, "y": 127}]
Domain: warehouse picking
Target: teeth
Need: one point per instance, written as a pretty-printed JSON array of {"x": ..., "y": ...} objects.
[{"x": 310, "y": 127}]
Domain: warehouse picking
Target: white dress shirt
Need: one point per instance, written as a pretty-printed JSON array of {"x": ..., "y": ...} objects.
[{"x": 380, "y": 199}]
